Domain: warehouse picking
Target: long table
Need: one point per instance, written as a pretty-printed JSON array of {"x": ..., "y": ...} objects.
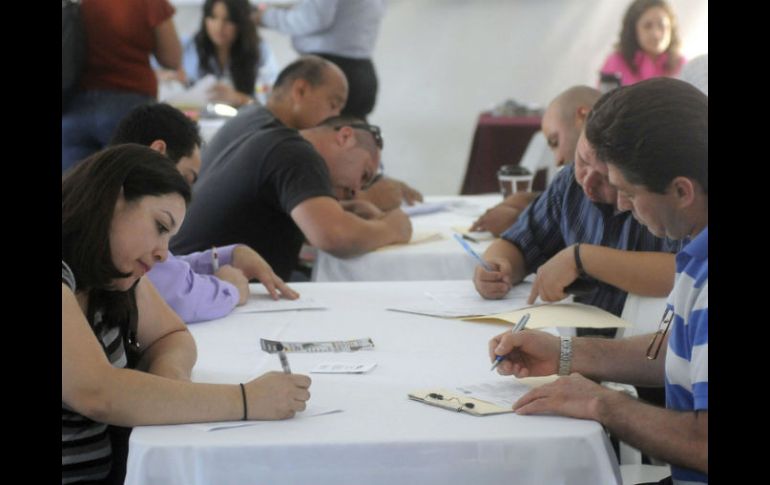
[
  {"x": 443, "y": 259},
  {"x": 380, "y": 437}
]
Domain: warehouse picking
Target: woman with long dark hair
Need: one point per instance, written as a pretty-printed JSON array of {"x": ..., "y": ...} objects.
[
  {"x": 126, "y": 356},
  {"x": 227, "y": 46}
]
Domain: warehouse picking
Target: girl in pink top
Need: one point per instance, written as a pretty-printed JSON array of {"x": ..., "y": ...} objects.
[{"x": 649, "y": 44}]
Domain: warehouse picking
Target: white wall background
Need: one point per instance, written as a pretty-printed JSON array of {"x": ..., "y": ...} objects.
[{"x": 441, "y": 62}]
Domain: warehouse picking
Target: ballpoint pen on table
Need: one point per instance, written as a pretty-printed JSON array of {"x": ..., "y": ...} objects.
[
  {"x": 214, "y": 259},
  {"x": 473, "y": 253},
  {"x": 517, "y": 328},
  {"x": 284, "y": 360}
]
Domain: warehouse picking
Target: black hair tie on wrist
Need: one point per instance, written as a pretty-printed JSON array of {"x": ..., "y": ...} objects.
[{"x": 245, "y": 407}]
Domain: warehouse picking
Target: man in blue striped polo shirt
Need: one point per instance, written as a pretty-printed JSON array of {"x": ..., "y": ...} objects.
[{"x": 654, "y": 137}]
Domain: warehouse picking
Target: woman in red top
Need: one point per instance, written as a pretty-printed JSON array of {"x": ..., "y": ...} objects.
[{"x": 121, "y": 35}]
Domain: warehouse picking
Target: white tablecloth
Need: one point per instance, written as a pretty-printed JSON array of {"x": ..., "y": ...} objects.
[
  {"x": 436, "y": 260},
  {"x": 381, "y": 437}
]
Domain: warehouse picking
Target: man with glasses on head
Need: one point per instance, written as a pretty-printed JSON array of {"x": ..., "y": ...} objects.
[
  {"x": 275, "y": 187},
  {"x": 664, "y": 182}
]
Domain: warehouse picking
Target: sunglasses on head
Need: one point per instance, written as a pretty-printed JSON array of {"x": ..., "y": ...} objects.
[{"x": 373, "y": 129}]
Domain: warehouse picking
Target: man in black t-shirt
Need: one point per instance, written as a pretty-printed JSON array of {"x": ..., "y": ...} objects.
[{"x": 275, "y": 187}]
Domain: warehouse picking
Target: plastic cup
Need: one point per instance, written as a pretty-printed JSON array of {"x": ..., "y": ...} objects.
[{"x": 514, "y": 178}]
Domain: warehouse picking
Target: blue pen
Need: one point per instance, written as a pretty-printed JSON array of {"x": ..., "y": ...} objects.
[
  {"x": 518, "y": 327},
  {"x": 473, "y": 253}
]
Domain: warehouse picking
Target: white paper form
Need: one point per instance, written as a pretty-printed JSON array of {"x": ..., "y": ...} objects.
[
  {"x": 466, "y": 303},
  {"x": 264, "y": 303},
  {"x": 501, "y": 393},
  {"x": 309, "y": 412}
]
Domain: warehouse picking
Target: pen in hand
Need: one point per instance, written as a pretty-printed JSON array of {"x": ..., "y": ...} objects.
[
  {"x": 517, "y": 328},
  {"x": 284, "y": 360},
  {"x": 214, "y": 259},
  {"x": 473, "y": 253}
]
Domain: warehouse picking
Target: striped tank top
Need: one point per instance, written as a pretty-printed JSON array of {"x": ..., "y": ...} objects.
[{"x": 86, "y": 453}]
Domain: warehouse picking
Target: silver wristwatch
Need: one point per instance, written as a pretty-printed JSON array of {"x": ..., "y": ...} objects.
[{"x": 565, "y": 356}]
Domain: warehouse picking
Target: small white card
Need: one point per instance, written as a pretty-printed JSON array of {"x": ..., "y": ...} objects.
[{"x": 342, "y": 368}]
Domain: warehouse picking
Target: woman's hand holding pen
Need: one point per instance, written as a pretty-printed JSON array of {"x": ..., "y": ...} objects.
[
  {"x": 494, "y": 284},
  {"x": 527, "y": 353},
  {"x": 276, "y": 395}
]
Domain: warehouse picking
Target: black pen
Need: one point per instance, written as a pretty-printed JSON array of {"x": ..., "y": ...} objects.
[{"x": 465, "y": 236}]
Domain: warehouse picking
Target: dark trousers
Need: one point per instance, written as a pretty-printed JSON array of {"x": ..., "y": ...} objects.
[
  {"x": 90, "y": 121},
  {"x": 362, "y": 84}
]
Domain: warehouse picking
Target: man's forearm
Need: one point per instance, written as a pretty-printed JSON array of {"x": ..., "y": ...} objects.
[
  {"x": 677, "y": 437},
  {"x": 520, "y": 200},
  {"x": 618, "y": 360},
  {"x": 644, "y": 273},
  {"x": 363, "y": 236}
]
